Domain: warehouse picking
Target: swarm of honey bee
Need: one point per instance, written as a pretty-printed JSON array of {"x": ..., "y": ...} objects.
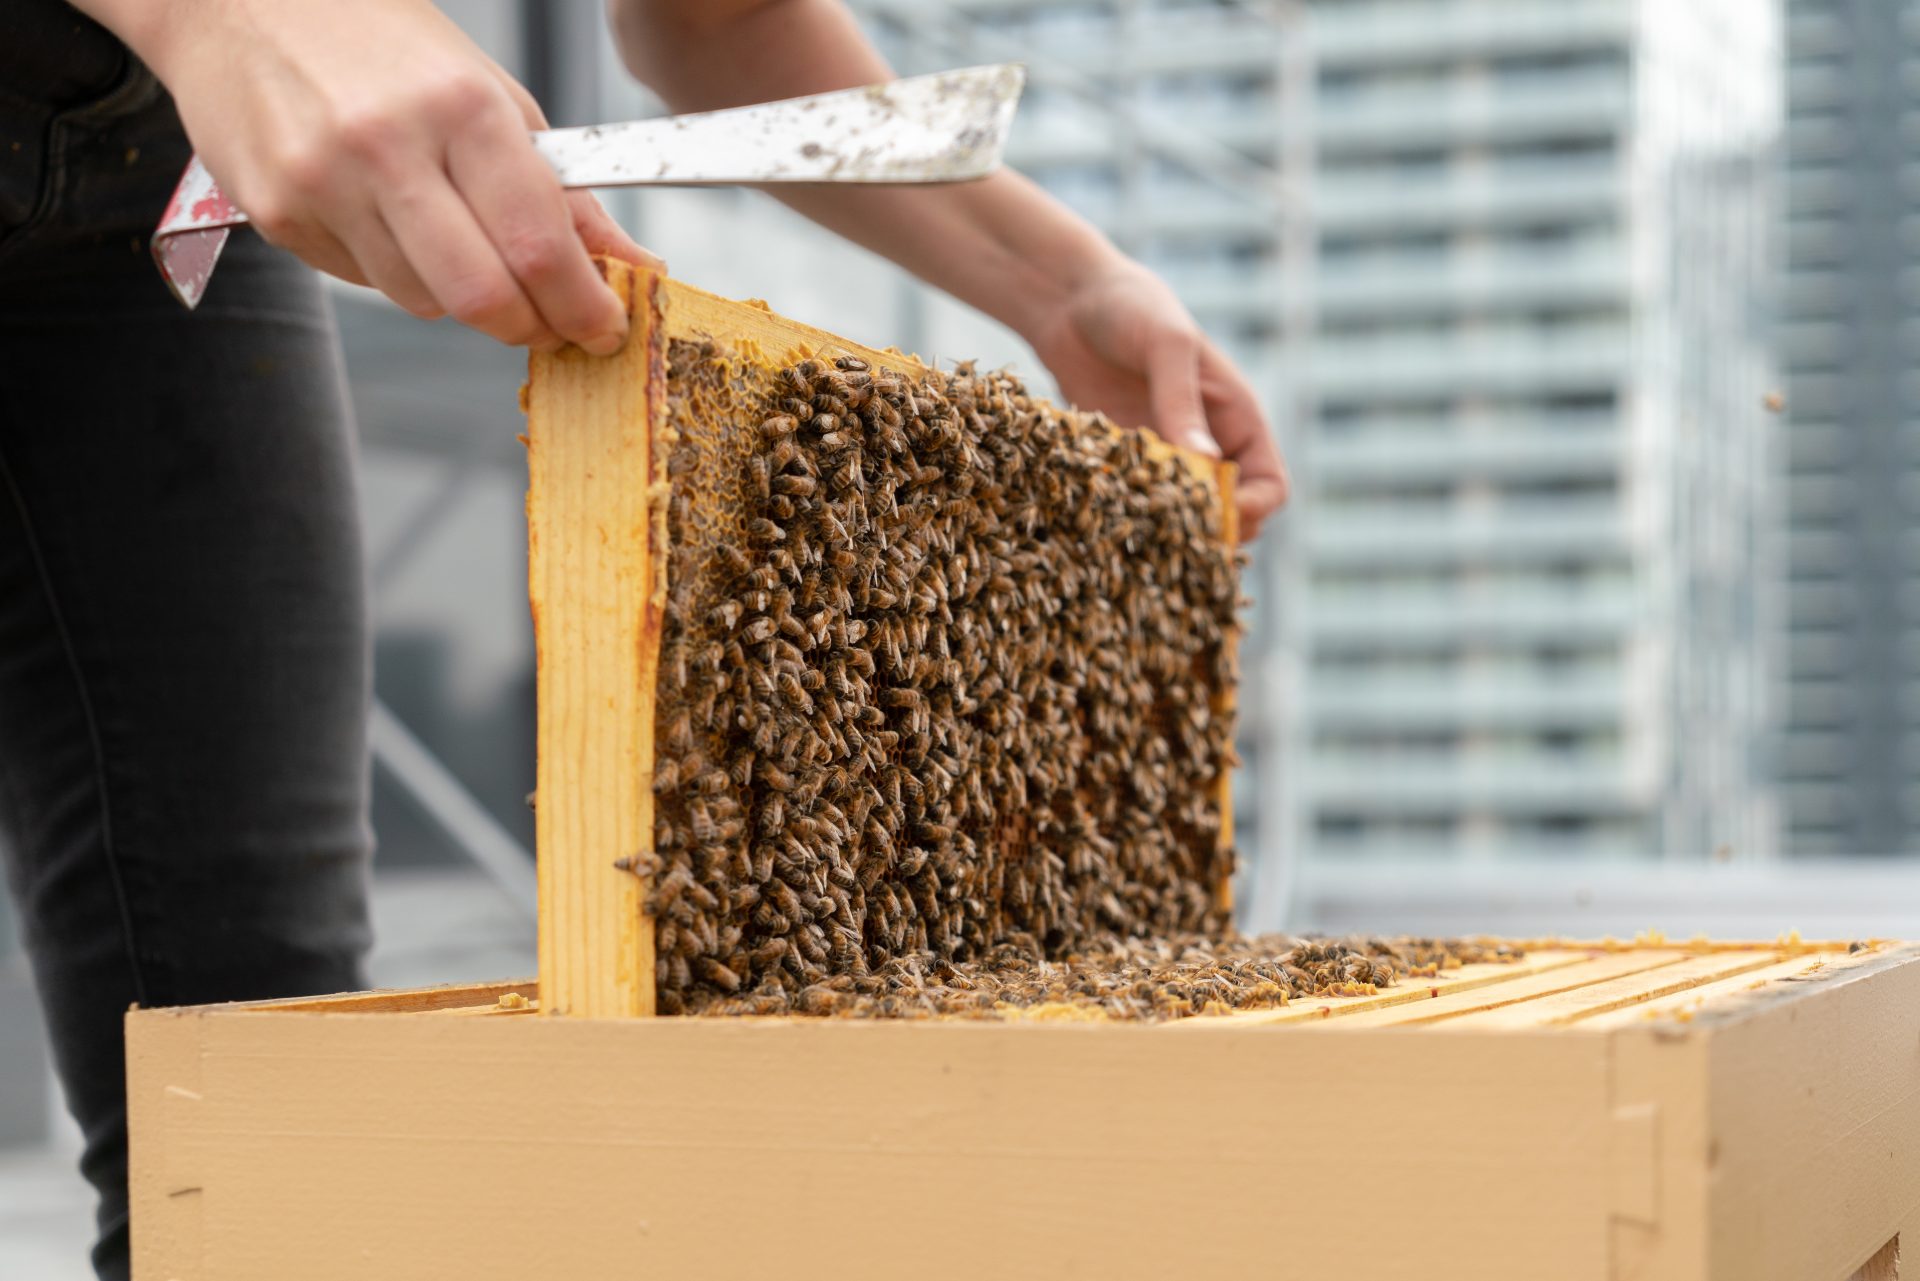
[
  {"x": 1132, "y": 979},
  {"x": 943, "y": 680}
]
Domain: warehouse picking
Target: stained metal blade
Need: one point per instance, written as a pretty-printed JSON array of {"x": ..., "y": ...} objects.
[{"x": 947, "y": 127}]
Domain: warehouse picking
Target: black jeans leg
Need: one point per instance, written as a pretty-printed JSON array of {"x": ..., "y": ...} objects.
[{"x": 183, "y": 659}]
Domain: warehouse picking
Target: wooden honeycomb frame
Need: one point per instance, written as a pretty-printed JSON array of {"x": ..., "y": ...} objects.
[
  {"x": 1594, "y": 1112},
  {"x": 598, "y": 531}
]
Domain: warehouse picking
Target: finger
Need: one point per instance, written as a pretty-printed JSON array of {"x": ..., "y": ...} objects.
[
  {"x": 319, "y": 249},
  {"x": 436, "y": 232},
  {"x": 380, "y": 262},
  {"x": 1173, "y": 387},
  {"x": 1238, "y": 423},
  {"x": 1256, "y": 500},
  {"x": 602, "y": 235},
  {"x": 303, "y": 237},
  {"x": 596, "y": 228},
  {"x": 517, "y": 199}
]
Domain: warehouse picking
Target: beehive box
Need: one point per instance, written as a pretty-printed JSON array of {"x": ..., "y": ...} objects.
[{"x": 1585, "y": 1111}]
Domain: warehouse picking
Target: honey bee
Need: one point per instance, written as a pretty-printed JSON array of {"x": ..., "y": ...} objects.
[{"x": 713, "y": 972}]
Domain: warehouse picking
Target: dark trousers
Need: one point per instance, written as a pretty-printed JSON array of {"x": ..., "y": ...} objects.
[{"x": 183, "y": 644}]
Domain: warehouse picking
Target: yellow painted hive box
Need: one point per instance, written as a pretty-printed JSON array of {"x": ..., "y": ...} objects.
[{"x": 665, "y": 1100}]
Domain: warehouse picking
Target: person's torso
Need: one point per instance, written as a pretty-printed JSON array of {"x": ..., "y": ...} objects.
[
  {"x": 55, "y": 57},
  {"x": 90, "y": 146}
]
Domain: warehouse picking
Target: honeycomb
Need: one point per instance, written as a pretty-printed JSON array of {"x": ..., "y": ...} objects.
[{"x": 945, "y": 679}]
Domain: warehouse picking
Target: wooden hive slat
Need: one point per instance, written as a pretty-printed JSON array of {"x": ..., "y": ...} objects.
[
  {"x": 1413, "y": 991},
  {"x": 1617, "y": 993},
  {"x": 1519, "y": 990},
  {"x": 1691, "y": 1000}
]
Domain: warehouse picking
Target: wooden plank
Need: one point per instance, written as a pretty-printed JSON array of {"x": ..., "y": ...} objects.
[
  {"x": 1685, "y": 1004},
  {"x": 1883, "y": 1266},
  {"x": 1448, "y": 1005},
  {"x": 446, "y": 998},
  {"x": 1226, "y": 701},
  {"x": 1814, "y": 1115},
  {"x": 164, "y": 1091},
  {"x": 1662, "y": 1234},
  {"x": 411, "y": 1148},
  {"x": 1465, "y": 978},
  {"x": 1626, "y": 990},
  {"x": 597, "y": 616}
]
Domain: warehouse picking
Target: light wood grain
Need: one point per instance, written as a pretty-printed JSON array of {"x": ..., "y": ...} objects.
[
  {"x": 1813, "y": 1104},
  {"x": 1412, "y": 991},
  {"x": 418, "y": 1148},
  {"x": 447, "y": 998},
  {"x": 597, "y": 619},
  {"x": 1627, "y": 990},
  {"x": 1689, "y": 1002},
  {"x": 1883, "y": 1266},
  {"x": 1777, "y": 1140},
  {"x": 1450, "y": 1005}
]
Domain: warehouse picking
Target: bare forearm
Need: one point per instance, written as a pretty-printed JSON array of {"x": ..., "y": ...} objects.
[{"x": 1000, "y": 244}]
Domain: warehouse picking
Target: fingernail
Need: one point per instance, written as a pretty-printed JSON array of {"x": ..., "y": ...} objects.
[{"x": 606, "y": 344}]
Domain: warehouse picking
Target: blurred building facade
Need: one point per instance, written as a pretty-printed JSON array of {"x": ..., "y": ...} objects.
[
  {"x": 1498, "y": 265},
  {"x": 1850, "y": 759},
  {"x": 1537, "y": 466}
]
